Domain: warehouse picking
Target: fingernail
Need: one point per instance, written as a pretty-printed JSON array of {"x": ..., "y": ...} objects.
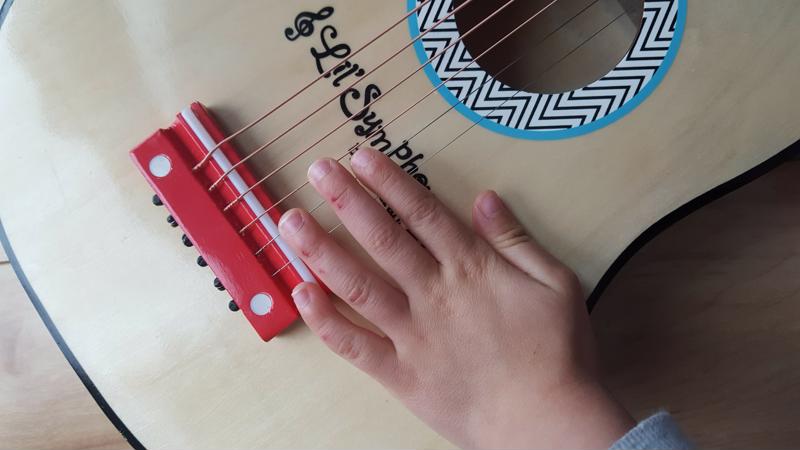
[
  {"x": 290, "y": 223},
  {"x": 319, "y": 169},
  {"x": 301, "y": 297},
  {"x": 361, "y": 159},
  {"x": 491, "y": 205}
]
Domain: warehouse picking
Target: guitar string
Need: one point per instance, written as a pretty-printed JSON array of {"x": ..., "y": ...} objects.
[
  {"x": 306, "y": 183},
  {"x": 474, "y": 124},
  {"x": 311, "y": 83},
  {"x": 402, "y": 113},
  {"x": 382, "y": 95},
  {"x": 365, "y": 108},
  {"x": 321, "y": 203},
  {"x": 329, "y": 101},
  {"x": 488, "y": 79}
]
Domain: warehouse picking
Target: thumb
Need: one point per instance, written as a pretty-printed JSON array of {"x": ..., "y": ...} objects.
[{"x": 495, "y": 222}]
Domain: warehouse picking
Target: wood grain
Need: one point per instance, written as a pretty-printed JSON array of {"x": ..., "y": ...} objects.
[
  {"x": 43, "y": 404},
  {"x": 144, "y": 320},
  {"x": 705, "y": 320}
]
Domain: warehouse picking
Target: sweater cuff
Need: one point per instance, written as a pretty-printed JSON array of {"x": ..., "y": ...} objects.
[{"x": 659, "y": 431}]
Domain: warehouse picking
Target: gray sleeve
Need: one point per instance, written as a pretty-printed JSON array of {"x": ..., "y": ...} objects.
[{"x": 659, "y": 431}]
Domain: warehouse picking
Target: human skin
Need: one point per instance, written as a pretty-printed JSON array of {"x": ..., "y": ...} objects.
[{"x": 483, "y": 334}]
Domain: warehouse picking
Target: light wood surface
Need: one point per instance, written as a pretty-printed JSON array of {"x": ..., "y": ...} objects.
[
  {"x": 144, "y": 320},
  {"x": 702, "y": 321},
  {"x": 43, "y": 404}
]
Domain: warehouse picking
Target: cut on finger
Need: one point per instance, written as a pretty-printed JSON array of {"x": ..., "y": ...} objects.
[
  {"x": 389, "y": 245},
  {"x": 428, "y": 218}
]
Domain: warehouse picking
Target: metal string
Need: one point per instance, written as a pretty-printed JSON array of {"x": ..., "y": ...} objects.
[
  {"x": 306, "y": 183},
  {"x": 321, "y": 203},
  {"x": 366, "y": 107},
  {"x": 295, "y": 190},
  {"x": 346, "y": 121},
  {"x": 311, "y": 83},
  {"x": 430, "y": 123},
  {"x": 508, "y": 66},
  {"x": 329, "y": 101},
  {"x": 458, "y": 136}
]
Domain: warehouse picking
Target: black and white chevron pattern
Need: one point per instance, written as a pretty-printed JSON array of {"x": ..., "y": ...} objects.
[{"x": 528, "y": 111}]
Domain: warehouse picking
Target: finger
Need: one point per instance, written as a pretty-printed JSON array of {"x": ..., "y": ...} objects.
[
  {"x": 498, "y": 225},
  {"x": 371, "y": 353},
  {"x": 386, "y": 242},
  {"x": 429, "y": 220},
  {"x": 369, "y": 294}
]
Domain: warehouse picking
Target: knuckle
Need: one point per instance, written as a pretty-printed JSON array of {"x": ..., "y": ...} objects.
[
  {"x": 383, "y": 239},
  {"x": 513, "y": 236},
  {"x": 345, "y": 345},
  {"x": 334, "y": 337},
  {"x": 424, "y": 210},
  {"x": 472, "y": 263},
  {"x": 349, "y": 345},
  {"x": 358, "y": 290},
  {"x": 327, "y": 331},
  {"x": 467, "y": 268}
]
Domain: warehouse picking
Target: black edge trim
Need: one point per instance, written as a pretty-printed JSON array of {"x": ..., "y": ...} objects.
[
  {"x": 646, "y": 236},
  {"x": 789, "y": 153},
  {"x": 4, "y": 10},
  {"x": 76, "y": 366}
]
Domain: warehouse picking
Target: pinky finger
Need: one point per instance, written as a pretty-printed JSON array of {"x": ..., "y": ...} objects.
[{"x": 369, "y": 352}]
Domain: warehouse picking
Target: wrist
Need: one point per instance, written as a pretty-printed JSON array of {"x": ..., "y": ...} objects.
[{"x": 570, "y": 415}]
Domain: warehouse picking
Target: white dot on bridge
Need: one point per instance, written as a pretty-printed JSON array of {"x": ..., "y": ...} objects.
[
  {"x": 261, "y": 304},
  {"x": 160, "y": 166}
]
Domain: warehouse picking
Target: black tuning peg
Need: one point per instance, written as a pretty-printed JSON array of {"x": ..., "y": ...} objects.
[
  {"x": 218, "y": 284},
  {"x": 171, "y": 220},
  {"x": 201, "y": 262},
  {"x": 186, "y": 241},
  {"x": 233, "y": 306},
  {"x": 157, "y": 201}
]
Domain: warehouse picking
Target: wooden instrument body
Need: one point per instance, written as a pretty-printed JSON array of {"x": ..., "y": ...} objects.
[{"x": 82, "y": 83}]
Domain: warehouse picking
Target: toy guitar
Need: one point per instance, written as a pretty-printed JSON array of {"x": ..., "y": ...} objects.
[{"x": 595, "y": 119}]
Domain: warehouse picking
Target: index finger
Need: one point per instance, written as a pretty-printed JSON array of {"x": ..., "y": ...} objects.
[
  {"x": 387, "y": 243},
  {"x": 430, "y": 221}
]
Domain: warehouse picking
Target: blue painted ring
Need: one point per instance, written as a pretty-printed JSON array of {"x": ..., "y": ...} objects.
[{"x": 500, "y": 108}]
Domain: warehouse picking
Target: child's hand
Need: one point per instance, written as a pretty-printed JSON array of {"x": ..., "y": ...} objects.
[{"x": 487, "y": 338}]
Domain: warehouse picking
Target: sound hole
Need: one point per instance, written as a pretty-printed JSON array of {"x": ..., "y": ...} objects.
[{"x": 570, "y": 45}]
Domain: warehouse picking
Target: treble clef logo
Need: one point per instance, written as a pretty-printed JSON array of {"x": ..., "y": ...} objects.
[{"x": 304, "y": 23}]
